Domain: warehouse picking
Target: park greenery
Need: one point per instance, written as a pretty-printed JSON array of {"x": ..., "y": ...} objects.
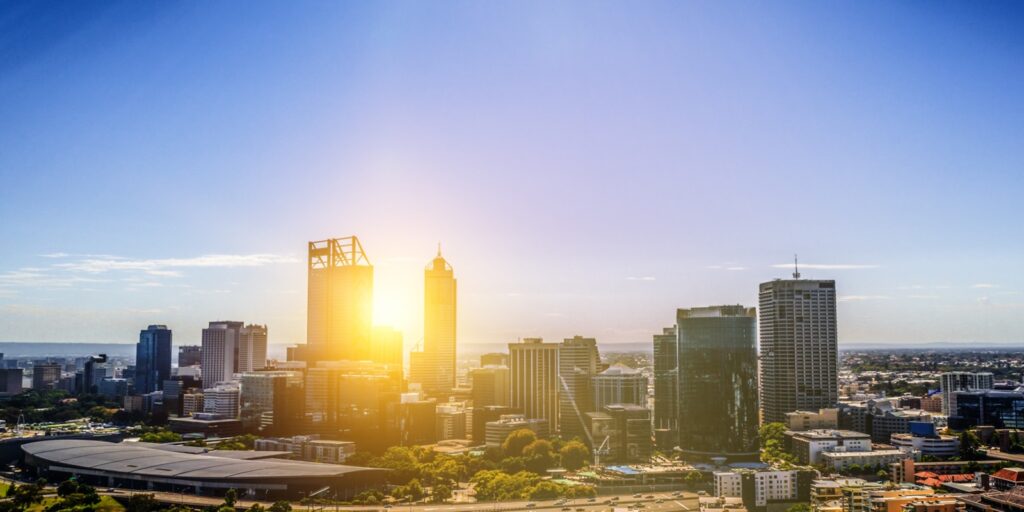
[{"x": 773, "y": 445}]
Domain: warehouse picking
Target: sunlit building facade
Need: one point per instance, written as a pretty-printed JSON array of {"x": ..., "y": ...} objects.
[
  {"x": 220, "y": 350},
  {"x": 578, "y": 362},
  {"x": 252, "y": 348},
  {"x": 339, "y": 315},
  {"x": 435, "y": 366},
  {"x": 533, "y": 368}
]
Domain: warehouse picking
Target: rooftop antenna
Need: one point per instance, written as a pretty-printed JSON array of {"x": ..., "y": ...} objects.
[
  {"x": 796, "y": 267},
  {"x": 439, "y": 249}
]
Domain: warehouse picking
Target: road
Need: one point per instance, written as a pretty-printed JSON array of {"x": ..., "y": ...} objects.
[{"x": 685, "y": 503}]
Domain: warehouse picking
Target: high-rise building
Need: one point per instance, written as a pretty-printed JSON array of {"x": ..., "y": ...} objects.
[
  {"x": 152, "y": 359},
  {"x": 190, "y": 355},
  {"x": 252, "y": 348},
  {"x": 717, "y": 383},
  {"x": 45, "y": 376},
  {"x": 799, "y": 346},
  {"x": 665, "y": 370},
  {"x": 268, "y": 400},
  {"x": 619, "y": 385},
  {"x": 387, "y": 347},
  {"x": 578, "y": 362},
  {"x": 339, "y": 316},
  {"x": 439, "y": 315},
  {"x": 533, "y": 367},
  {"x": 490, "y": 386},
  {"x": 220, "y": 348},
  {"x": 10, "y": 381},
  {"x": 951, "y": 382},
  {"x": 494, "y": 359}
]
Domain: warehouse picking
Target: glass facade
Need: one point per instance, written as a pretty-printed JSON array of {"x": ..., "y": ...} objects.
[
  {"x": 717, "y": 401},
  {"x": 152, "y": 359}
]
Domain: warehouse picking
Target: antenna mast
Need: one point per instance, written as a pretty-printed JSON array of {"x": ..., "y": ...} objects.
[{"x": 796, "y": 267}]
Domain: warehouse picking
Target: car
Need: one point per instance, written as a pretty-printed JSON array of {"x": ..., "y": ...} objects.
[
  {"x": 531, "y": 505},
  {"x": 660, "y": 501},
  {"x": 649, "y": 496},
  {"x": 702, "y": 493},
  {"x": 111, "y": 489},
  {"x": 581, "y": 509},
  {"x": 637, "y": 495},
  {"x": 566, "y": 509}
]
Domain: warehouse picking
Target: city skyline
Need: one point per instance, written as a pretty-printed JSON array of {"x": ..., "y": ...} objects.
[{"x": 585, "y": 184}]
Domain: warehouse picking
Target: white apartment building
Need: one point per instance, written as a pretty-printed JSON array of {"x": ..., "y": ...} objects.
[
  {"x": 222, "y": 400},
  {"x": 769, "y": 486}
]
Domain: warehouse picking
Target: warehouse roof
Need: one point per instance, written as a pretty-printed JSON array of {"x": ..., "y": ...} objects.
[{"x": 140, "y": 459}]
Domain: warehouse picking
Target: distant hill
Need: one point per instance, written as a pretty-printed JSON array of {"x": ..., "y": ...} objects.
[{"x": 29, "y": 349}]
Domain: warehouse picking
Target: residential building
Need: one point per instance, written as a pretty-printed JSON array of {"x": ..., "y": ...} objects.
[
  {"x": 951, "y": 382},
  {"x": 252, "y": 348},
  {"x": 799, "y": 346},
  {"x": 759, "y": 488},
  {"x": 222, "y": 400},
  {"x": 808, "y": 446},
  {"x": 339, "y": 305},
  {"x": 807, "y": 420},
  {"x": 717, "y": 398},
  {"x": 1008, "y": 479},
  {"x": 619, "y": 384},
  {"x": 578, "y": 362},
  {"x": 495, "y": 432},
  {"x": 220, "y": 350},
  {"x": 841, "y": 461},
  {"x": 533, "y": 369},
  {"x": 152, "y": 359},
  {"x": 309, "y": 447}
]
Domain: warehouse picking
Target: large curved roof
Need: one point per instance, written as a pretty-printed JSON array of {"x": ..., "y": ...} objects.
[{"x": 140, "y": 459}]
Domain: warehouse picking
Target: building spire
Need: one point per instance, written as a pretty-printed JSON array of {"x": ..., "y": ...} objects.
[
  {"x": 439, "y": 249},
  {"x": 796, "y": 267}
]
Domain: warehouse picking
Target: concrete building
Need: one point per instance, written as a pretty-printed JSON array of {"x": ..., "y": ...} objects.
[
  {"x": 220, "y": 350},
  {"x": 490, "y": 386},
  {"x": 578, "y": 362},
  {"x": 936, "y": 445},
  {"x": 222, "y": 400},
  {"x": 190, "y": 355},
  {"x": 807, "y": 420},
  {"x": 252, "y": 348},
  {"x": 46, "y": 376},
  {"x": 619, "y": 384},
  {"x": 533, "y": 369},
  {"x": 759, "y": 488},
  {"x": 495, "y": 432},
  {"x": 269, "y": 397},
  {"x": 450, "y": 421},
  {"x": 339, "y": 305},
  {"x": 191, "y": 403},
  {"x": 665, "y": 383},
  {"x": 621, "y": 433},
  {"x": 494, "y": 359},
  {"x": 809, "y": 446},
  {"x": 951, "y": 382},
  {"x": 799, "y": 346},
  {"x": 310, "y": 448},
  {"x": 10, "y": 381},
  {"x": 842, "y": 461},
  {"x": 152, "y": 359},
  {"x": 717, "y": 383},
  {"x": 482, "y": 415},
  {"x": 879, "y": 418}
]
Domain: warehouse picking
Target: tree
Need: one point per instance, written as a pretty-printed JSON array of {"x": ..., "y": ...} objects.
[
  {"x": 800, "y": 507},
  {"x": 280, "y": 506},
  {"x": 22, "y": 496},
  {"x": 67, "y": 488},
  {"x": 575, "y": 455},
  {"x": 545, "y": 490},
  {"x": 440, "y": 493},
  {"x": 540, "y": 456},
  {"x": 141, "y": 503},
  {"x": 230, "y": 498},
  {"x": 773, "y": 436},
  {"x": 517, "y": 441},
  {"x": 256, "y": 507},
  {"x": 969, "y": 444},
  {"x": 160, "y": 436}
]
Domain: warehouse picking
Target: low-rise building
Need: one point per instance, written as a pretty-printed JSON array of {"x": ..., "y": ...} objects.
[
  {"x": 495, "y": 432},
  {"x": 842, "y": 461},
  {"x": 758, "y": 488},
  {"x": 798, "y": 421},
  {"x": 310, "y": 448},
  {"x": 938, "y": 445},
  {"x": 808, "y": 446},
  {"x": 1008, "y": 479}
]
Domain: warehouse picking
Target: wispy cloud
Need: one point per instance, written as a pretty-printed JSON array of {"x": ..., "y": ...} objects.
[
  {"x": 100, "y": 265},
  {"x": 985, "y": 285},
  {"x": 826, "y": 266},
  {"x": 640, "y": 278},
  {"x": 36, "y": 277},
  {"x": 726, "y": 267},
  {"x": 55, "y": 255},
  {"x": 857, "y": 298}
]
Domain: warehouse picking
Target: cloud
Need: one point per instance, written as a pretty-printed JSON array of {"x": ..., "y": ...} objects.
[
  {"x": 56, "y": 255},
  {"x": 924, "y": 296},
  {"x": 726, "y": 267},
  {"x": 826, "y": 266},
  {"x": 857, "y": 298},
  {"x": 36, "y": 277},
  {"x": 641, "y": 278},
  {"x": 985, "y": 285},
  {"x": 158, "y": 266}
]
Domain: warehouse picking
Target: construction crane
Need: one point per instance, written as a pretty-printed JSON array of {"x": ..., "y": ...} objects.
[{"x": 601, "y": 450}]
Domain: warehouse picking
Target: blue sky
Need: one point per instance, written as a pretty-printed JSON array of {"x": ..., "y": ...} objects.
[{"x": 588, "y": 167}]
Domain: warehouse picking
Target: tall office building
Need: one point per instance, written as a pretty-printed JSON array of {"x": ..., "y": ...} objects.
[
  {"x": 619, "y": 385},
  {"x": 152, "y": 359},
  {"x": 799, "y": 347},
  {"x": 220, "y": 348},
  {"x": 190, "y": 355},
  {"x": 951, "y": 382},
  {"x": 252, "y": 348},
  {"x": 578, "y": 362},
  {"x": 533, "y": 369},
  {"x": 45, "y": 376},
  {"x": 339, "y": 314},
  {"x": 717, "y": 383},
  {"x": 665, "y": 370},
  {"x": 490, "y": 386},
  {"x": 10, "y": 381},
  {"x": 387, "y": 347},
  {"x": 439, "y": 314}
]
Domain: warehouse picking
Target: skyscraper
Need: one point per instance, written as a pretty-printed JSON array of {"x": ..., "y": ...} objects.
[
  {"x": 252, "y": 348},
  {"x": 439, "y": 314},
  {"x": 578, "y": 362},
  {"x": 533, "y": 368},
  {"x": 152, "y": 359},
  {"x": 799, "y": 347},
  {"x": 220, "y": 348},
  {"x": 717, "y": 383},
  {"x": 619, "y": 385},
  {"x": 339, "y": 321},
  {"x": 665, "y": 385}
]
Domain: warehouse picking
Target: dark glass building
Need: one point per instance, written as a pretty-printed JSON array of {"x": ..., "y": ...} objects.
[
  {"x": 665, "y": 388},
  {"x": 1000, "y": 409},
  {"x": 152, "y": 359},
  {"x": 717, "y": 400}
]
